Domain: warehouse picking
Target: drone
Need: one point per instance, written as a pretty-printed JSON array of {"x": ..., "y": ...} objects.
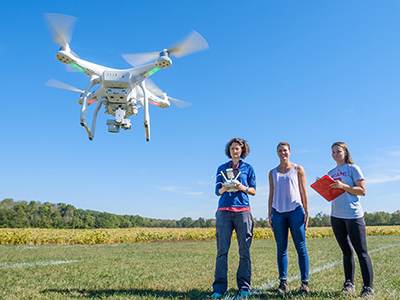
[{"x": 122, "y": 92}]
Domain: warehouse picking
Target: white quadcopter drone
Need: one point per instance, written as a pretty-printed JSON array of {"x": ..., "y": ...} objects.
[{"x": 122, "y": 92}]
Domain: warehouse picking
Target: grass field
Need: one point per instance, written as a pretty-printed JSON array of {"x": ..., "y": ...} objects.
[{"x": 180, "y": 270}]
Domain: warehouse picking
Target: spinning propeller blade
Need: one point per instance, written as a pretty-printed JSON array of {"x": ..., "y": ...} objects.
[
  {"x": 140, "y": 58},
  {"x": 61, "y": 85},
  {"x": 61, "y": 27},
  {"x": 179, "y": 103},
  {"x": 152, "y": 87},
  {"x": 194, "y": 42}
]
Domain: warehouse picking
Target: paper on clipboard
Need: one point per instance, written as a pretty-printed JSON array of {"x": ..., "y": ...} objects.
[{"x": 323, "y": 187}]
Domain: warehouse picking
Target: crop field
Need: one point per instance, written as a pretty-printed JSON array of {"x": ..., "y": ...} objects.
[
  {"x": 35, "y": 236},
  {"x": 182, "y": 269}
]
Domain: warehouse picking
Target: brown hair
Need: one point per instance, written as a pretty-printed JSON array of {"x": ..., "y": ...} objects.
[
  {"x": 283, "y": 144},
  {"x": 347, "y": 158},
  {"x": 242, "y": 143}
]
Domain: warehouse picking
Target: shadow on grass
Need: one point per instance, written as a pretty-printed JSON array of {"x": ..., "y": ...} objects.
[
  {"x": 293, "y": 294},
  {"x": 102, "y": 294},
  {"x": 193, "y": 294},
  {"x": 273, "y": 294}
]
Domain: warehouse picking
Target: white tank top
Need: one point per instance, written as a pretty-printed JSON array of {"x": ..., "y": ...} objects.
[{"x": 286, "y": 190}]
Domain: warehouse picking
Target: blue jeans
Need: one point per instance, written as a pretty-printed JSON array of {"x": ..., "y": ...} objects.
[
  {"x": 281, "y": 223},
  {"x": 242, "y": 223}
]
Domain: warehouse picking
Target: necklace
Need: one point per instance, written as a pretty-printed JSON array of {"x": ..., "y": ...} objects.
[{"x": 285, "y": 169}]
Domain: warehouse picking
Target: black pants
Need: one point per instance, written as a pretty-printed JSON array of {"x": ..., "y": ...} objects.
[{"x": 351, "y": 233}]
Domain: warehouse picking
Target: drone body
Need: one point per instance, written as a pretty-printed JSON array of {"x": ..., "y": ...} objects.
[{"x": 122, "y": 92}]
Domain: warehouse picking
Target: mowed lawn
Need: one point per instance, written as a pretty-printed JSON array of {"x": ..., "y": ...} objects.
[{"x": 180, "y": 270}]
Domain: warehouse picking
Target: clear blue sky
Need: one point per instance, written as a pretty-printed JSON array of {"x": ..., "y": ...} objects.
[{"x": 307, "y": 72}]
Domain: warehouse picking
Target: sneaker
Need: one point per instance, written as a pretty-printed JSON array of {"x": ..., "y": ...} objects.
[
  {"x": 348, "y": 288},
  {"x": 304, "y": 289},
  {"x": 367, "y": 292},
  {"x": 283, "y": 287},
  {"x": 243, "y": 295},
  {"x": 216, "y": 295}
]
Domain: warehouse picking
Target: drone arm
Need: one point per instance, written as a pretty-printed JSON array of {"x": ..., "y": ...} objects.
[
  {"x": 146, "y": 116},
  {"x": 96, "y": 111},
  {"x": 85, "y": 97}
]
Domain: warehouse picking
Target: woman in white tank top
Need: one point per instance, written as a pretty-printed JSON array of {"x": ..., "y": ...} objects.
[{"x": 288, "y": 209}]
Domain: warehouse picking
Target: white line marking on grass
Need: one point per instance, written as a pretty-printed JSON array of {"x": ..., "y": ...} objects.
[
  {"x": 40, "y": 263},
  {"x": 384, "y": 247},
  {"x": 271, "y": 283}
]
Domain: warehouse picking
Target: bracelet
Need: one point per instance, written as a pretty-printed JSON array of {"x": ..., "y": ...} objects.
[{"x": 247, "y": 189}]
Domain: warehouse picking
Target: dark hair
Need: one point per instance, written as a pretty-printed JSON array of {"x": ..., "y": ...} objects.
[
  {"x": 347, "y": 158},
  {"x": 242, "y": 144},
  {"x": 283, "y": 144}
]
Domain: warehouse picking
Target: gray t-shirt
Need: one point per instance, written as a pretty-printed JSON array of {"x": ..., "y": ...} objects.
[{"x": 347, "y": 206}]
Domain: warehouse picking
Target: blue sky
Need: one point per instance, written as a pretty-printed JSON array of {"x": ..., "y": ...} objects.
[{"x": 307, "y": 72}]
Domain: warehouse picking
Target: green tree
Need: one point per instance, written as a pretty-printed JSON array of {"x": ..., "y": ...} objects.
[
  {"x": 199, "y": 223},
  {"x": 395, "y": 218},
  {"x": 184, "y": 222}
]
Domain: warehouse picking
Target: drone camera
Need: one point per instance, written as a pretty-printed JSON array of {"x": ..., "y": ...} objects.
[
  {"x": 112, "y": 126},
  {"x": 126, "y": 124}
]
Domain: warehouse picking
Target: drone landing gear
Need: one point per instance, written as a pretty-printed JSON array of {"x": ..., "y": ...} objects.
[
  {"x": 96, "y": 111},
  {"x": 146, "y": 117},
  {"x": 147, "y": 130},
  {"x": 93, "y": 81},
  {"x": 87, "y": 130}
]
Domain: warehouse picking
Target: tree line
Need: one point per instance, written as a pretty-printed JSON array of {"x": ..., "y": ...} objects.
[{"x": 21, "y": 214}]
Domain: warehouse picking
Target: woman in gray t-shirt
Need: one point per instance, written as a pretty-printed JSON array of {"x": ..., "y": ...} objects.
[{"x": 347, "y": 219}]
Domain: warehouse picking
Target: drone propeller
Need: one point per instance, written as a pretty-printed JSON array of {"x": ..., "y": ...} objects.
[
  {"x": 140, "y": 58},
  {"x": 194, "y": 42},
  {"x": 61, "y": 27},
  {"x": 61, "y": 85},
  {"x": 179, "y": 103},
  {"x": 152, "y": 87}
]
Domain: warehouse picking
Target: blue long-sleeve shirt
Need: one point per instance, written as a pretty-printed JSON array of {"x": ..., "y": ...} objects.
[{"x": 247, "y": 177}]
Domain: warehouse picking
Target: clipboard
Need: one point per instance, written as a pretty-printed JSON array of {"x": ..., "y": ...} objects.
[{"x": 322, "y": 187}]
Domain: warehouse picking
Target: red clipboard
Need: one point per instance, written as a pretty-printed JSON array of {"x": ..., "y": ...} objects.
[{"x": 323, "y": 187}]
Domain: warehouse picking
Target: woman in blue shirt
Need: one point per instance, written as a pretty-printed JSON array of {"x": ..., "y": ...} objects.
[{"x": 234, "y": 213}]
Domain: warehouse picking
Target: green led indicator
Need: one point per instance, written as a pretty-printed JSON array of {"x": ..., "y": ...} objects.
[
  {"x": 153, "y": 71},
  {"x": 77, "y": 67}
]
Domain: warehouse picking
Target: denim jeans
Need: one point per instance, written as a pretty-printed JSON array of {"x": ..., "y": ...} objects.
[
  {"x": 242, "y": 223},
  {"x": 281, "y": 223}
]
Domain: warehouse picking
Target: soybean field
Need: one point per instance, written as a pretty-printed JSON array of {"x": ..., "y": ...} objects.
[{"x": 181, "y": 269}]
